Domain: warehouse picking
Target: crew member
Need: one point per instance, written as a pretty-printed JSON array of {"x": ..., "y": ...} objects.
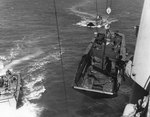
[
  {"x": 108, "y": 65},
  {"x": 1, "y": 81},
  {"x": 120, "y": 66}
]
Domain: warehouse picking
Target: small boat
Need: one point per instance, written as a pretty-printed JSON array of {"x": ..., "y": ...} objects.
[
  {"x": 99, "y": 22},
  {"x": 90, "y": 24},
  {"x": 93, "y": 77},
  {"x": 10, "y": 85}
]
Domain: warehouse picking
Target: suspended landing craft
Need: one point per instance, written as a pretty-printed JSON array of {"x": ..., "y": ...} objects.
[{"x": 97, "y": 75}]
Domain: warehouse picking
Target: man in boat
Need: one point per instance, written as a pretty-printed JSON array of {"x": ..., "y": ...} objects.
[
  {"x": 120, "y": 64},
  {"x": 100, "y": 38},
  {"x": 116, "y": 40},
  {"x": 108, "y": 65},
  {"x": 1, "y": 81},
  {"x": 8, "y": 73},
  {"x": 136, "y": 30},
  {"x": 128, "y": 67},
  {"x": 99, "y": 20}
]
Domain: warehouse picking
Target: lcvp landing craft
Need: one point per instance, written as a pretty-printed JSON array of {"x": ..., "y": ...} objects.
[{"x": 10, "y": 84}]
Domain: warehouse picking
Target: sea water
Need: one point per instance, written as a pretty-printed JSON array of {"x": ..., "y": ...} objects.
[{"x": 29, "y": 45}]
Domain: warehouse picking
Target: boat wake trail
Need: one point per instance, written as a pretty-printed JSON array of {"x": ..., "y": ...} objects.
[
  {"x": 87, "y": 18},
  {"x": 105, "y": 20},
  {"x": 28, "y": 110},
  {"x": 75, "y": 9},
  {"x": 31, "y": 63},
  {"x": 18, "y": 61}
]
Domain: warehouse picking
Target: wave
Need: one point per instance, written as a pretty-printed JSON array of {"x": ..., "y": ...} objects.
[
  {"x": 33, "y": 90},
  {"x": 84, "y": 15},
  {"x": 39, "y": 63}
]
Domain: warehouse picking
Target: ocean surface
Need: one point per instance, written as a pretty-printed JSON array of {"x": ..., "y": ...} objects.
[{"x": 28, "y": 42}]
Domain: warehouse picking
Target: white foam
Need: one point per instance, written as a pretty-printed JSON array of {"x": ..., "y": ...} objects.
[
  {"x": 40, "y": 63},
  {"x": 84, "y": 22},
  {"x": 36, "y": 93},
  {"x": 27, "y": 110},
  {"x": 34, "y": 80}
]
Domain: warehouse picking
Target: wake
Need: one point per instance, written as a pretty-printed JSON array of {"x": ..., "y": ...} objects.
[
  {"x": 87, "y": 18},
  {"x": 7, "y": 66}
]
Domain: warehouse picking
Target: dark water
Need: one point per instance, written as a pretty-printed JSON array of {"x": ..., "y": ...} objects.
[{"x": 28, "y": 37}]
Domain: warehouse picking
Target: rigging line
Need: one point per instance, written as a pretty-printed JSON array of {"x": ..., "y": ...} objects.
[
  {"x": 60, "y": 51},
  {"x": 96, "y": 17},
  {"x": 96, "y": 9},
  {"x": 108, "y": 3}
]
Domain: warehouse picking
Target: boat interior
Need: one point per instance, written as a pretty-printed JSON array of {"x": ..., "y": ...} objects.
[
  {"x": 92, "y": 74},
  {"x": 8, "y": 86}
]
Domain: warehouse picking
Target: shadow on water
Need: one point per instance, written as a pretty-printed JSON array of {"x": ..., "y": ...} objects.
[
  {"x": 112, "y": 107},
  {"x": 104, "y": 106}
]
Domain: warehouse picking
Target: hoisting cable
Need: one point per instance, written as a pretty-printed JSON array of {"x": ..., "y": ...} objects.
[
  {"x": 96, "y": 9},
  {"x": 96, "y": 16},
  {"x": 61, "y": 57}
]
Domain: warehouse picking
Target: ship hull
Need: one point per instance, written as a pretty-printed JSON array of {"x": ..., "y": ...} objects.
[{"x": 138, "y": 92}]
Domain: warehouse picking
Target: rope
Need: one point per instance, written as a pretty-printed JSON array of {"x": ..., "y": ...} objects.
[
  {"x": 108, "y": 3},
  {"x": 96, "y": 9},
  {"x": 60, "y": 52},
  {"x": 96, "y": 16}
]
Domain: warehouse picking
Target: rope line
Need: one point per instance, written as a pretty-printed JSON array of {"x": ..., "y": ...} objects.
[
  {"x": 96, "y": 16},
  {"x": 61, "y": 57},
  {"x": 96, "y": 9},
  {"x": 108, "y": 3}
]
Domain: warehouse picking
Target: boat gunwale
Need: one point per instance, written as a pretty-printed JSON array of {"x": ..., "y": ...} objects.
[{"x": 93, "y": 90}]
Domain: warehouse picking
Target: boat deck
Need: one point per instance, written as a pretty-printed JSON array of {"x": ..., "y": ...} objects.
[
  {"x": 94, "y": 77},
  {"x": 96, "y": 80},
  {"x": 9, "y": 87}
]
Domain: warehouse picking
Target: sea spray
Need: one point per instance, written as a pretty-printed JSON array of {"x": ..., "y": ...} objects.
[
  {"x": 18, "y": 61},
  {"x": 34, "y": 91},
  {"x": 27, "y": 110}
]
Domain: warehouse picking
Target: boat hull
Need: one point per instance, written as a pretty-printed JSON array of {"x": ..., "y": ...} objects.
[
  {"x": 9, "y": 98},
  {"x": 94, "y": 93},
  {"x": 91, "y": 78}
]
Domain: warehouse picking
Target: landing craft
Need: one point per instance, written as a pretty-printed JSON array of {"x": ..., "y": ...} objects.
[
  {"x": 93, "y": 76},
  {"x": 101, "y": 68},
  {"x": 10, "y": 85}
]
